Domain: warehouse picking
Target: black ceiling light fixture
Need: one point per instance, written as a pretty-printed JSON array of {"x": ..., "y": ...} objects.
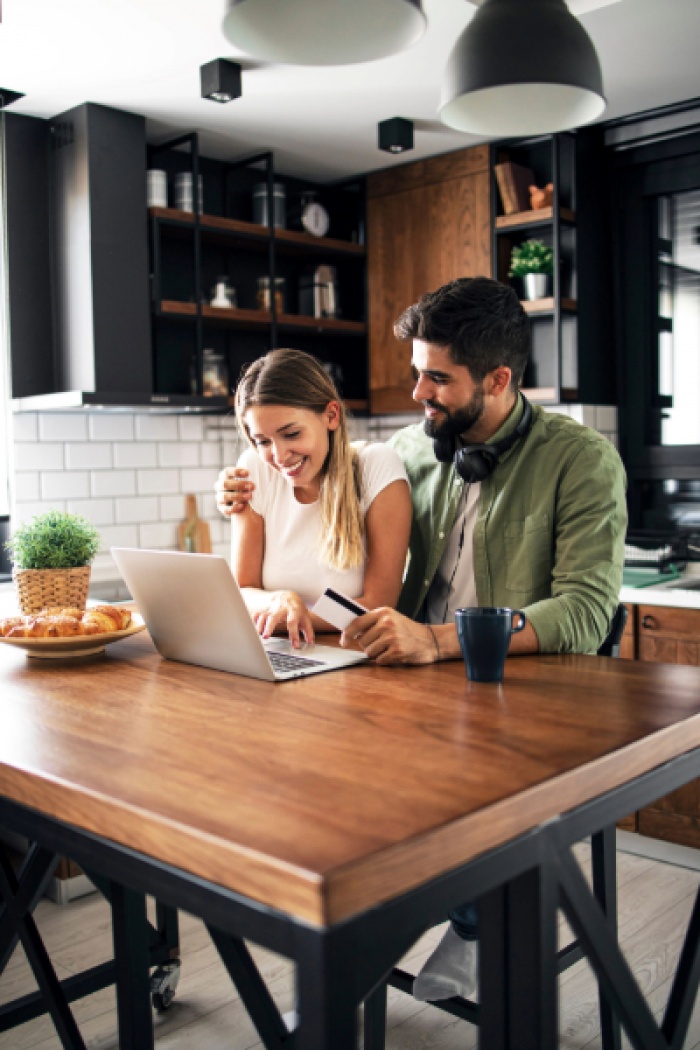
[
  {"x": 7, "y": 97},
  {"x": 395, "y": 135},
  {"x": 323, "y": 32},
  {"x": 522, "y": 67},
  {"x": 221, "y": 80}
]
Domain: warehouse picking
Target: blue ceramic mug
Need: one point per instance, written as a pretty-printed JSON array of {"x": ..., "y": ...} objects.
[{"x": 484, "y": 636}]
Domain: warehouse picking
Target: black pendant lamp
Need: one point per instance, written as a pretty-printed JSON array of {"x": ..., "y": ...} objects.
[
  {"x": 323, "y": 32},
  {"x": 522, "y": 67}
]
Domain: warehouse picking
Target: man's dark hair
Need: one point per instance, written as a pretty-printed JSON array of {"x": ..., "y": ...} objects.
[{"x": 480, "y": 321}]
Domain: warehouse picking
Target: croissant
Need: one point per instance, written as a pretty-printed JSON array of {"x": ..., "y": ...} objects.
[
  {"x": 55, "y": 622},
  {"x": 120, "y": 617},
  {"x": 57, "y": 610},
  {"x": 9, "y": 623}
]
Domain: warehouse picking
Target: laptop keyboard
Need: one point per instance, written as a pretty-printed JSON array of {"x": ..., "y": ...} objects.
[{"x": 286, "y": 662}]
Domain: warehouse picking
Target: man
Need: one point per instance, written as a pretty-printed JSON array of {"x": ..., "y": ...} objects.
[{"x": 512, "y": 506}]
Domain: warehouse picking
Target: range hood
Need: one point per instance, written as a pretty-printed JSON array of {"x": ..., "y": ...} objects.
[
  {"x": 80, "y": 311},
  {"x": 83, "y": 400}
]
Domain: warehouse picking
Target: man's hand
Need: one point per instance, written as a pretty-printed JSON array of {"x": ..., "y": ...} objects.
[
  {"x": 390, "y": 638},
  {"x": 286, "y": 610},
  {"x": 233, "y": 491}
]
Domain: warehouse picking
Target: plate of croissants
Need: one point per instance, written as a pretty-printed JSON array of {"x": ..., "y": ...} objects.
[{"x": 56, "y": 633}]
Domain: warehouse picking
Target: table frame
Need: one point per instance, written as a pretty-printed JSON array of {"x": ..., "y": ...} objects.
[{"x": 518, "y": 887}]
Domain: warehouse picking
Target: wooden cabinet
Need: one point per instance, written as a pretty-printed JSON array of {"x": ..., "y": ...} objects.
[
  {"x": 427, "y": 223},
  {"x": 669, "y": 635}
]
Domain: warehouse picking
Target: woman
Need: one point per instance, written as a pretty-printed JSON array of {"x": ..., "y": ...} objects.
[{"x": 322, "y": 513}]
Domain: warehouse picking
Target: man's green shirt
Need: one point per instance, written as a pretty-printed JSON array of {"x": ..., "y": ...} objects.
[{"x": 549, "y": 533}]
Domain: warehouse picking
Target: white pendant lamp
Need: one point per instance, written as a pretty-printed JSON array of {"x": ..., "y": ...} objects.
[
  {"x": 522, "y": 67},
  {"x": 323, "y": 32}
]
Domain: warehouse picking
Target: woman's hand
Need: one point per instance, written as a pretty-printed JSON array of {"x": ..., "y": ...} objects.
[
  {"x": 233, "y": 491},
  {"x": 287, "y": 610}
]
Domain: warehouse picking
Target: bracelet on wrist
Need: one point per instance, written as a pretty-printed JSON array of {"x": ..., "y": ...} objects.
[{"x": 437, "y": 647}]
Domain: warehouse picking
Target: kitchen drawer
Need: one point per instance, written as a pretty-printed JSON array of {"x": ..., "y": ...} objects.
[{"x": 668, "y": 635}]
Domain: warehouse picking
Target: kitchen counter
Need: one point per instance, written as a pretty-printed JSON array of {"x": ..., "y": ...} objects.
[{"x": 670, "y": 595}]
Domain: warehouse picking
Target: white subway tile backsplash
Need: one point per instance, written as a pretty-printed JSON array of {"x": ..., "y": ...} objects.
[
  {"x": 38, "y": 455},
  {"x": 191, "y": 428},
  {"x": 198, "y": 480},
  {"x": 159, "y": 482},
  {"x": 26, "y": 511},
  {"x": 207, "y": 506},
  {"x": 211, "y": 454},
  {"x": 135, "y": 454},
  {"x": 162, "y": 535},
  {"x": 178, "y": 455},
  {"x": 63, "y": 426},
  {"x": 113, "y": 483},
  {"x": 129, "y": 473},
  {"x": 25, "y": 426},
  {"x": 108, "y": 427},
  {"x": 119, "y": 536},
  {"x": 156, "y": 428},
  {"x": 224, "y": 549},
  {"x": 172, "y": 508},
  {"x": 98, "y": 511},
  {"x": 136, "y": 510},
  {"x": 27, "y": 487},
  {"x": 65, "y": 485},
  {"x": 89, "y": 455}
]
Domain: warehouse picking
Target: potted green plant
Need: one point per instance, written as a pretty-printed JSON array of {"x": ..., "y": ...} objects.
[
  {"x": 51, "y": 556},
  {"x": 533, "y": 261}
]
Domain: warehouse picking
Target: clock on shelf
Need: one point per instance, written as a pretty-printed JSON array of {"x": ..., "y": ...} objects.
[{"x": 313, "y": 217}]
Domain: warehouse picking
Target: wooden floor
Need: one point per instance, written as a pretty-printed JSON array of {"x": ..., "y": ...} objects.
[{"x": 655, "y": 900}]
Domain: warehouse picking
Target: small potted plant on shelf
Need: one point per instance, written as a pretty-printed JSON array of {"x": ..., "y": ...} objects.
[
  {"x": 51, "y": 556},
  {"x": 533, "y": 261}
]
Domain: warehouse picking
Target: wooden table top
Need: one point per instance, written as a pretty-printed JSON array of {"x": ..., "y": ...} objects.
[{"x": 326, "y": 795}]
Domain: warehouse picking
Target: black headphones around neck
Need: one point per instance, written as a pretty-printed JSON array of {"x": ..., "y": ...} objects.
[{"x": 475, "y": 462}]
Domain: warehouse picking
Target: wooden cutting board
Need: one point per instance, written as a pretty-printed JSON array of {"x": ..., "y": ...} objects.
[{"x": 193, "y": 534}]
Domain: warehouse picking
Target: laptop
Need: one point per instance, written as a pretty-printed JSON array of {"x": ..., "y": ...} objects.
[{"x": 195, "y": 613}]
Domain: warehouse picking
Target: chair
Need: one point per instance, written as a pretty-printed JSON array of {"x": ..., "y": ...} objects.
[
  {"x": 603, "y": 863},
  {"x": 611, "y": 645}
]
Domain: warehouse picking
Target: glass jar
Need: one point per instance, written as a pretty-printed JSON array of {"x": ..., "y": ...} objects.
[
  {"x": 263, "y": 297},
  {"x": 279, "y": 204},
  {"x": 215, "y": 382}
]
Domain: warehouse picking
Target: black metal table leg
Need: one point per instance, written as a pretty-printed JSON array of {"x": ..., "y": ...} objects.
[
  {"x": 604, "y": 866},
  {"x": 375, "y": 1018},
  {"x": 16, "y": 900},
  {"x": 531, "y": 932},
  {"x": 327, "y": 1012},
  {"x": 252, "y": 989},
  {"x": 132, "y": 960}
]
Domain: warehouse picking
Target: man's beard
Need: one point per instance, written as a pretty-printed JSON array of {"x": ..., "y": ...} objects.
[{"x": 455, "y": 423}]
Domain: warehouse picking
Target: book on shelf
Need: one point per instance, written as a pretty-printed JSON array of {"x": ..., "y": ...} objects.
[{"x": 514, "y": 181}]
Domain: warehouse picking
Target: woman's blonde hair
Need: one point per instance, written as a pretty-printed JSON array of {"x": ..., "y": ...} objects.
[{"x": 296, "y": 379}]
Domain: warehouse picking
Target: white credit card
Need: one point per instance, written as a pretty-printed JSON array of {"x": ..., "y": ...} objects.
[{"x": 337, "y": 608}]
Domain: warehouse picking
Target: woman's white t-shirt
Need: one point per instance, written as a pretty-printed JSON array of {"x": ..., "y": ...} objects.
[{"x": 293, "y": 529}]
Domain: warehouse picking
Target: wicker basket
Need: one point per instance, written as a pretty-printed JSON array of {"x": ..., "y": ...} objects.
[{"x": 39, "y": 588}]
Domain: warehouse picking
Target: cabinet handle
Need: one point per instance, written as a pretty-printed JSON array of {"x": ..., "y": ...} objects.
[{"x": 649, "y": 622}]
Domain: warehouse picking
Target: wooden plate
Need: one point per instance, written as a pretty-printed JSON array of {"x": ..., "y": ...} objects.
[{"x": 80, "y": 645}]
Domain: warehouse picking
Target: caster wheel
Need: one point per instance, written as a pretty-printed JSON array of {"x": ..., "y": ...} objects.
[
  {"x": 162, "y": 1002},
  {"x": 164, "y": 983}
]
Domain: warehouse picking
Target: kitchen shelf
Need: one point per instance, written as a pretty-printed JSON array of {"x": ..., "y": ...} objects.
[
  {"x": 192, "y": 253},
  {"x": 262, "y": 319},
  {"x": 552, "y": 372},
  {"x": 546, "y": 306},
  {"x": 539, "y": 217},
  {"x": 213, "y": 227}
]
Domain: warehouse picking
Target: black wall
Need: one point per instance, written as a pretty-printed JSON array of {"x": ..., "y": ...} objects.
[{"x": 31, "y": 331}]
